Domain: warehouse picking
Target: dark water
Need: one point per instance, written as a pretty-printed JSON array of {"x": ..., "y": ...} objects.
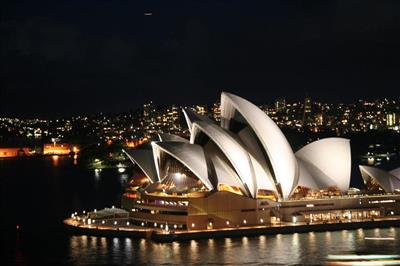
[{"x": 37, "y": 193}]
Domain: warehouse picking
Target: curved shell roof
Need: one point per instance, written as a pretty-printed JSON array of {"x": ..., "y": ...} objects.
[
  {"x": 332, "y": 156},
  {"x": 191, "y": 116},
  {"x": 386, "y": 180},
  {"x": 232, "y": 149},
  {"x": 250, "y": 152},
  {"x": 144, "y": 159},
  {"x": 171, "y": 137},
  {"x": 190, "y": 155},
  {"x": 274, "y": 143},
  {"x": 396, "y": 172}
]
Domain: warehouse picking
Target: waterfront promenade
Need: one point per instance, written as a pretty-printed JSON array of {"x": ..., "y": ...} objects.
[{"x": 121, "y": 227}]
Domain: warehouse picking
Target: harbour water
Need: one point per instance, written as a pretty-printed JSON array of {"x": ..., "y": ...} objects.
[{"x": 38, "y": 193}]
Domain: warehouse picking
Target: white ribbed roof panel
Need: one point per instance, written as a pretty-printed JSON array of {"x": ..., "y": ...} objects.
[
  {"x": 386, "y": 180},
  {"x": 396, "y": 172},
  {"x": 144, "y": 159},
  {"x": 190, "y": 155},
  {"x": 171, "y": 137},
  {"x": 232, "y": 149},
  {"x": 191, "y": 116},
  {"x": 275, "y": 144},
  {"x": 333, "y": 157},
  {"x": 305, "y": 177}
]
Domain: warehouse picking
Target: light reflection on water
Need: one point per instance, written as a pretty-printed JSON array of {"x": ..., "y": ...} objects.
[{"x": 308, "y": 248}]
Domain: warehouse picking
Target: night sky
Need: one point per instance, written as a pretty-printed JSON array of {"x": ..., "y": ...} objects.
[{"x": 61, "y": 58}]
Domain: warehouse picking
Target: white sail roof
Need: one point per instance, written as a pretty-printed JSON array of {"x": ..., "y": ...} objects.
[
  {"x": 396, "y": 172},
  {"x": 331, "y": 157},
  {"x": 144, "y": 159},
  {"x": 191, "y": 116},
  {"x": 190, "y": 155},
  {"x": 274, "y": 143},
  {"x": 233, "y": 150},
  {"x": 385, "y": 179},
  {"x": 171, "y": 137}
]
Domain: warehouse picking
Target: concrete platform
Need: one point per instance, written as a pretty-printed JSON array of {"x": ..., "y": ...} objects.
[{"x": 159, "y": 235}]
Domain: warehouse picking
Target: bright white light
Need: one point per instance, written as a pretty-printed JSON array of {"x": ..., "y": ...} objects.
[
  {"x": 127, "y": 223},
  {"x": 227, "y": 222},
  {"x": 261, "y": 220},
  {"x": 142, "y": 223},
  {"x": 244, "y": 221},
  {"x": 121, "y": 170},
  {"x": 155, "y": 224},
  {"x": 115, "y": 222},
  {"x": 193, "y": 224},
  {"x": 103, "y": 222},
  {"x": 113, "y": 207},
  {"x": 175, "y": 226},
  {"x": 294, "y": 219}
]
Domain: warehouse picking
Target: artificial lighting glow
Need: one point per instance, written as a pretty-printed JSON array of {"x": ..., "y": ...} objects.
[
  {"x": 103, "y": 222},
  {"x": 115, "y": 222},
  {"x": 244, "y": 221},
  {"x": 121, "y": 170},
  {"x": 294, "y": 219},
  {"x": 193, "y": 224},
  {"x": 142, "y": 223},
  {"x": 155, "y": 224},
  {"x": 161, "y": 226},
  {"x": 227, "y": 222},
  {"x": 175, "y": 226},
  {"x": 127, "y": 223},
  {"x": 261, "y": 220}
]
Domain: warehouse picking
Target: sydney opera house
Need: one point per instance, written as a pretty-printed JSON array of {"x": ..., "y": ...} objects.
[{"x": 243, "y": 172}]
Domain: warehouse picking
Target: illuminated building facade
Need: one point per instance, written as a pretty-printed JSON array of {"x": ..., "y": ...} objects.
[
  {"x": 14, "y": 152},
  {"x": 243, "y": 172},
  {"x": 59, "y": 149}
]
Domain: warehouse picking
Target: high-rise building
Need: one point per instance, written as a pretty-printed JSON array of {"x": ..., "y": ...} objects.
[
  {"x": 149, "y": 119},
  {"x": 280, "y": 105},
  {"x": 216, "y": 111},
  {"x": 201, "y": 110},
  {"x": 307, "y": 110},
  {"x": 391, "y": 119}
]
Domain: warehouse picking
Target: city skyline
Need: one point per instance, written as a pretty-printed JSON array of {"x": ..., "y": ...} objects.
[{"x": 393, "y": 101}]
